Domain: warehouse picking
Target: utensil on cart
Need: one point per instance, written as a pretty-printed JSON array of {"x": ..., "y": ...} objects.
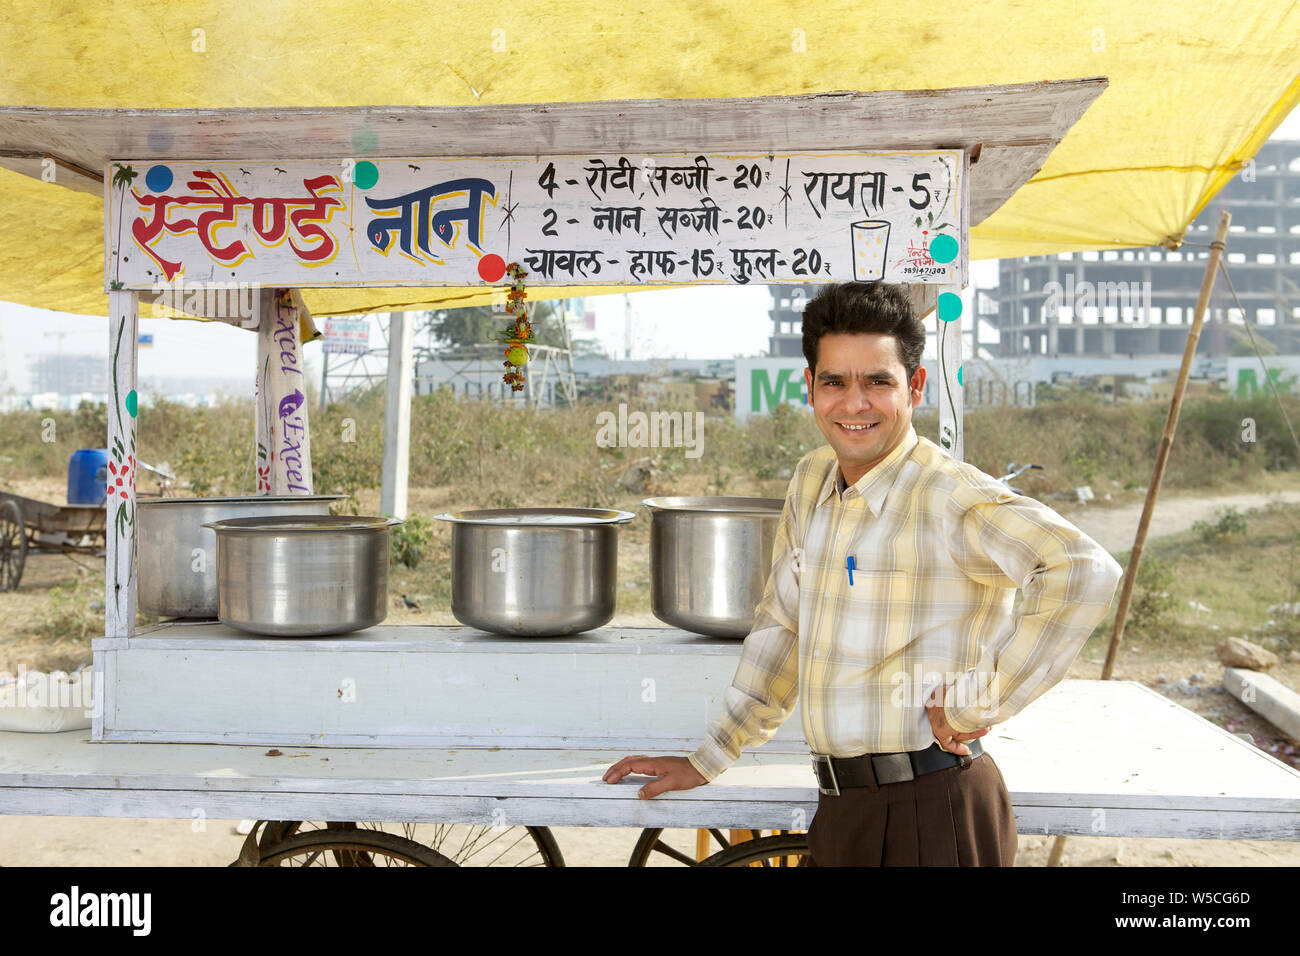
[
  {"x": 535, "y": 572},
  {"x": 177, "y": 551},
  {"x": 709, "y": 560},
  {"x": 302, "y": 575}
]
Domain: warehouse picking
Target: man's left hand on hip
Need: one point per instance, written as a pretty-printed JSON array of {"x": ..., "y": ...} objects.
[{"x": 948, "y": 738}]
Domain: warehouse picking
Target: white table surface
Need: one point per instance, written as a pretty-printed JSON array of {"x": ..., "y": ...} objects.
[{"x": 1089, "y": 757}]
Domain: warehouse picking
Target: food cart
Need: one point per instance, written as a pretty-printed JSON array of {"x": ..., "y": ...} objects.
[{"x": 456, "y": 727}]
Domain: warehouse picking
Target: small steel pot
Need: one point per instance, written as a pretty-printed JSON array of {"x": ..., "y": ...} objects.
[
  {"x": 302, "y": 576},
  {"x": 535, "y": 572},
  {"x": 709, "y": 561},
  {"x": 177, "y": 553}
]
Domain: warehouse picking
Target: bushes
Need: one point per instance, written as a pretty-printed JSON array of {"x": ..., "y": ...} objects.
[
  {"x": 1080, "y": 441},
  {"x": 1228, "y": 521},
  {"x": 499, "y": 455},
  {"x": 410, "y": 540},
  {"x": 1151, "y": 610},
  {"x": 348, "y": 447}
]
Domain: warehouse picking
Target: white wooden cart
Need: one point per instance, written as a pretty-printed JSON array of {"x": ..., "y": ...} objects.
[
  {"x": 1089, "y": 758},
  {"x": 448, "y": 726}
]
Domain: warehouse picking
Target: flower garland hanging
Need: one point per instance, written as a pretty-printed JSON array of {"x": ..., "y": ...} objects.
[{"x": 518, "y": 335}]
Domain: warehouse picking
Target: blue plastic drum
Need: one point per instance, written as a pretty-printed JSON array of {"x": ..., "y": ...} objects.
[{"x": 88, "y": 476}]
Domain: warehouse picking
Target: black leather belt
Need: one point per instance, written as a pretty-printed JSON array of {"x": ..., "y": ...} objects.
[{"x": 877, "y": 770}]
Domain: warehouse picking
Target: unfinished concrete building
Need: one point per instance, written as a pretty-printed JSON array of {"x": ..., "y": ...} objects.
[{"x": 1140, "y": 302}]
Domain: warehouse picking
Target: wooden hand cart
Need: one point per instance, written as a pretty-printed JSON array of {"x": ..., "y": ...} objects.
[{"x": 28, "y": 525}]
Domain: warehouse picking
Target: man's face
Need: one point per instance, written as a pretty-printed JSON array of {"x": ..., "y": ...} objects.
[{"x": 860, "y": 381}]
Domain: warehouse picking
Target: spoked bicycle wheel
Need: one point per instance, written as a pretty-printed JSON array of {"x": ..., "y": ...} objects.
[
  {"x": 350, "y": 848},
  {"x": 462, "y": 844},
  {"x": 785, "y": 848}
]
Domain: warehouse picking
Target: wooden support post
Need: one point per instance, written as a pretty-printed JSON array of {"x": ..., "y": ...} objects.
[
  {"x": 701, "y": 844},
  {"x": 948, "y": 387},
  {"x": 262, "y": 412},
  {"x": 1166, "y": 442},
  {"x": 947, "y": 383},
  {"x": 283, "y": 436},
  {"x": 119, "y": 548},
  {"x": 323, "y": 399},
  {"x": 397, "y": 417}
]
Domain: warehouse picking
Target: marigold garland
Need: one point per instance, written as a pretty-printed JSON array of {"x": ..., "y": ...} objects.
[{"x": 520, "y": 333}]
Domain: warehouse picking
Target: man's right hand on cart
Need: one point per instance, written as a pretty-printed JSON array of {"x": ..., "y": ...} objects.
[{"x": 671, "y": 773}]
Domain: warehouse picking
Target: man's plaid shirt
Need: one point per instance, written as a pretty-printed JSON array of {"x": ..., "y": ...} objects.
[{"x": 939, "y": 550}]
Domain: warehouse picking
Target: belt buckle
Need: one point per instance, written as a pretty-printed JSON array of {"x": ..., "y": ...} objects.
[
  {"x": 893, "y": 768},
  {"x": 818, "y": 761}
]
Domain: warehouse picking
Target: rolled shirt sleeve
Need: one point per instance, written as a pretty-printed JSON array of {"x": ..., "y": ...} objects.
[
  {"x": 765, "y": 688},
  {"x": 1068, "y": 582}
]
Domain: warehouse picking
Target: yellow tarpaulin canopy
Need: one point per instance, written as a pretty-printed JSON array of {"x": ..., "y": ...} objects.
[{"x": 1195, "y": 89}]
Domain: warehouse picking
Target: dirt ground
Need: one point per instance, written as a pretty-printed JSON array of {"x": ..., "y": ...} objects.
[{"x": 1191, "y": 680}]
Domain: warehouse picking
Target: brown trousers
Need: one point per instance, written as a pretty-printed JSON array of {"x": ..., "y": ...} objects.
[{"x": 951, "y": 817}]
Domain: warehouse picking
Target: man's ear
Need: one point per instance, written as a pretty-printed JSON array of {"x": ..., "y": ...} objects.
[
  {"x": 917, "y": 385},
  {"x": 808, "y": 383}
]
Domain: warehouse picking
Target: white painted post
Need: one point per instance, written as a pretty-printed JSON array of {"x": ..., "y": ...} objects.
[
  {"x": 397, "y": 417},
  {"x": 949, "y": 386},
  {"x": 282, "y": 428},
  {"x": 949, "y": 339},
  {"x": 119, "y": 550},
  {"x": 262, "y": 303}
]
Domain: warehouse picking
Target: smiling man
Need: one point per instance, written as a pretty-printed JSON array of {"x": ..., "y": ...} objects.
[{"x": 888, "y": 617}]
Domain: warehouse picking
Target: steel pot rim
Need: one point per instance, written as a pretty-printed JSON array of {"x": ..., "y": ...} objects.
[
  {"x": 714, "y": 504},
  {"x": 499, "y": 517},
  {"x": 302, "y": 524}
]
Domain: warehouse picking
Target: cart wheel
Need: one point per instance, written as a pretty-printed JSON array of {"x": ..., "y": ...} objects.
[
  {"x": 651, "y": 842},
  {"x": 748, "y": 852},
  {"x": 350, "y": 848},
  {"x": 461, "y": 844},
  {"x": 784, "y": 849},
  {"x": 13, "y": 546}
]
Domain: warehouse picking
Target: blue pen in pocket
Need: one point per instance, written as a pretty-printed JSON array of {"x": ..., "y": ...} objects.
[{"x": 849, "y": 565}]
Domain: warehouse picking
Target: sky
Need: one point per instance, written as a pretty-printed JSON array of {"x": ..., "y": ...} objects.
[{"x": 666, "y": 323}]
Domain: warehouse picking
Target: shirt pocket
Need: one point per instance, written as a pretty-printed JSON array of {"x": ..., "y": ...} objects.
[{"x": 866, "y": 609}]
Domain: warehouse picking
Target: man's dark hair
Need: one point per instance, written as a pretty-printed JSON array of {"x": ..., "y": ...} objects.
[{"x": 872, "y": 307}]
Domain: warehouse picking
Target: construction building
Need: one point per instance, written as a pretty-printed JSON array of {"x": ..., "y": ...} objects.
[{"x": 1141, "y": 301}]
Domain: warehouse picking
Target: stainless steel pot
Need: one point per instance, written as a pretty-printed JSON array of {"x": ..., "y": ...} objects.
[
  {"x": 709, "y": 561},
  {"x": 177, "y": 554},
  {"x": 536, "y": 572},
  {"x": 302, "y": 576}
]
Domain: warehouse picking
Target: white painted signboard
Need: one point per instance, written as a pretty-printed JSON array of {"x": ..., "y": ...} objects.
[
  {"x": 585, "y": 219},
  {"x": 348, "y": 336}
]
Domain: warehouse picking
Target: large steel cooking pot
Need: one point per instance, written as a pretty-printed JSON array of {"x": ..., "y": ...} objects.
[
  {"x": 535, "y": 572},
  {"x": 709, "y": 561},
  {"x": 302, "y": 576},
  {"x": 177, "y": 555}
]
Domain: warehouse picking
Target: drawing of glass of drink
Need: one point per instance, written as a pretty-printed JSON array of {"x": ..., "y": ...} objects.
[{"x": 870, "y": 243}]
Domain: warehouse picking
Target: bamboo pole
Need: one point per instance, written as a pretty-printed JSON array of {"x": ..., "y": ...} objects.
[
  {"x": 1162, "y": 456},
  {"x": 1166, "y": 442}
]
